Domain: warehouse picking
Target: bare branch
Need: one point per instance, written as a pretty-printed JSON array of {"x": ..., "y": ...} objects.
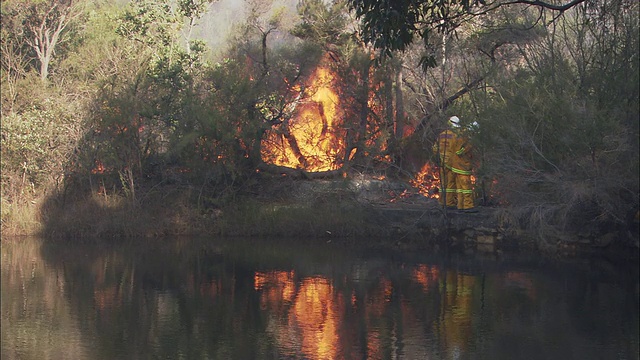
[{"x": 563, "y": 7}]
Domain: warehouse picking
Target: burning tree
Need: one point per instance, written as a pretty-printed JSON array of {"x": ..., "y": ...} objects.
[{"x": 313, "y": 137}]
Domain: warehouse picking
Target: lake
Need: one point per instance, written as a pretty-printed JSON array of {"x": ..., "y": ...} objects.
[{"x": 188, "y": 298}]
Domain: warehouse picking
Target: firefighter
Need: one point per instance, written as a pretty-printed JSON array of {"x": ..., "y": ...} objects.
[{"x": 454, "y": 150}]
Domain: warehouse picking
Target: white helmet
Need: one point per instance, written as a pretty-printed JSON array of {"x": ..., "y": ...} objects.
[{"x": 454, "y": 121}]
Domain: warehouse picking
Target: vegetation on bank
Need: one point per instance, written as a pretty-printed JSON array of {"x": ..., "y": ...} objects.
[
  {"x": 129, "y": 123},
  {"x": 174, "y": 210}
]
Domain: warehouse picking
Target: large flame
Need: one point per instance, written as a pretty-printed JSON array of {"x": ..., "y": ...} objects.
[{"x": 313, "y": 139}]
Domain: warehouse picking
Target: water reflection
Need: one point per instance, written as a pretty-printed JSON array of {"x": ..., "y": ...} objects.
[{"x": 263, "y": 300}]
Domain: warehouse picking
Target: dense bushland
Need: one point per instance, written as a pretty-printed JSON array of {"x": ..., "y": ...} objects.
[{"x": 112, "y": 113}]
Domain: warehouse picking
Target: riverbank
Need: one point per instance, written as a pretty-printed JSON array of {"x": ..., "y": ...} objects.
[{"x": 388, "y": 213}]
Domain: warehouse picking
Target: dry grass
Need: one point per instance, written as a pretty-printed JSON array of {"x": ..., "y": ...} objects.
[
  {"x": 175, "y": 211},
  {"x": 21, "y": 218}
]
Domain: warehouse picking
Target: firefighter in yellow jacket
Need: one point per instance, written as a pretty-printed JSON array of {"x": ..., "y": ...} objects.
[{"x": 454, "y": 150}]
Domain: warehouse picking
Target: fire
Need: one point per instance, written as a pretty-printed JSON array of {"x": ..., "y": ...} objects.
[
  {"x": 313, "y": 139},
  {"x": 427, "y": 181},
  {"x": 98, "y": 168}
]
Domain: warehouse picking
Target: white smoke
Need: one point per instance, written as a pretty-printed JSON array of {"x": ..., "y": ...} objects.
[{"x": 225, "y": 16}]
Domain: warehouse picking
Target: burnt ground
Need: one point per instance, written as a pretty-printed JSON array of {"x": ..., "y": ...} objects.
[
  {"x": 413, "y": 215},
  {"x": 408, "y": 214},
  {"x": 414, "y": 218}
]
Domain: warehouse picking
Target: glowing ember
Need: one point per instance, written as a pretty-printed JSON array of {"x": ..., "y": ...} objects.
[
  {"x": 98, "y": 168},
  {"x": 313, "y": 138},
  {"x": 427, "y": 181}
]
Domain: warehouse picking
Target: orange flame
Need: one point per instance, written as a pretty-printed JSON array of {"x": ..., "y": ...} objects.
[
  {"x": 313, "y": 138},
  {"x": 98, "y": 168},
  {"x": 427, "y": 181}
]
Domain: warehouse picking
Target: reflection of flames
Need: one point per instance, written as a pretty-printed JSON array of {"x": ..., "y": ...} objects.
[
  {"x": 427, "y": 181},
  {"x": 315, "y": 313},
  {"x": 426, "y": 276},
  {"x": 311, "y": 326},
  {"x": 308, "y": 318},
  {"x": 276, "y": 286},
  {"x": 313, "y": 138}
]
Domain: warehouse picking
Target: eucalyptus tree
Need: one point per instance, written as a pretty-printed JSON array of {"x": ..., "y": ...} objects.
[
  {"x": 554, "y": 86},
  {"x": 43, "y": 26},
  {"x": 147, "y": 90},
  {"x": 371, "y": 96},
  {"x": 393, "y": 25},
  {"x": 564, "y": 125}
]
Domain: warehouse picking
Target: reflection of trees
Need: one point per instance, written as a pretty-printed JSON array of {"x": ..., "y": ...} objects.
[
  {"x": 37, "y": 321},
  {"x": 161, "y": 300},
  {"x": 173, "y": 299}
]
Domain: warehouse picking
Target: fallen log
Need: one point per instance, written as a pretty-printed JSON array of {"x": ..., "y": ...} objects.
[{"x": 299, "y": 173}]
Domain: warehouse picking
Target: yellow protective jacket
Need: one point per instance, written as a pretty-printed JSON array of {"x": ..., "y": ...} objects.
[{"x": 455, "y": 151}]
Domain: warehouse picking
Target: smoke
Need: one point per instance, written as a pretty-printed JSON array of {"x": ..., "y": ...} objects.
[
  {"x": 218, "y": 23},
  {"x": 226, "y": 16}
]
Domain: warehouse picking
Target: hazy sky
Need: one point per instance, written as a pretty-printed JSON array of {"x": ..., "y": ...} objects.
[{"x": 216, "y": 26}]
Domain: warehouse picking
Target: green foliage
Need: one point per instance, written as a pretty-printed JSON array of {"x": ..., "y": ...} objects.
[
  {"x": 560, "y": 136},
  {"x": 17, "y": 55},
  {"x": 193, "y": 8},
  {"x": 35, "y": 145},
  {"x": 321, "y": 23},
  {"x": 393, "y": 25},
  {"x": 134, "y": 102},
  {"x": 149, "y": 23}
]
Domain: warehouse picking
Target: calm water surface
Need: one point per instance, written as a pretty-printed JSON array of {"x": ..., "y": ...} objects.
[{"x": 263, "y": 299}]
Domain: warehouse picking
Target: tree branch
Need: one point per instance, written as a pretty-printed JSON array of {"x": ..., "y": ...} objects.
[
  {"x": 546, "y": 5},
  {"x": 448, "y": 101}
]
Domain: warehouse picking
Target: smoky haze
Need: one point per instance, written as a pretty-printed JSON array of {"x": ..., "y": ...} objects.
[{"x": 225, "y": 17}]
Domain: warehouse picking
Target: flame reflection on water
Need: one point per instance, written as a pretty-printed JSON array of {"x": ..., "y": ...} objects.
[
  {"x": 160, "y": 301},
  {"x": 310, "y": 318}
]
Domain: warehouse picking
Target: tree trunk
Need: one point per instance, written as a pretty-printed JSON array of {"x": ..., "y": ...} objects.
[
  {"x": 46, "y": 33},
  {"x": 388, "y": 94},
  {"x": 364, "y": 111},
  {"x": 399, "y": 104}
]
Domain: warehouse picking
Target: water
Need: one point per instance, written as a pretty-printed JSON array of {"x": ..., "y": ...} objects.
[{"x": 263, "y": 299}]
